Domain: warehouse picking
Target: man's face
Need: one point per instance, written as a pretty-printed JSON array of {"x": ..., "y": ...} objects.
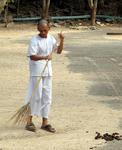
[{"x": 43, "y": 29}]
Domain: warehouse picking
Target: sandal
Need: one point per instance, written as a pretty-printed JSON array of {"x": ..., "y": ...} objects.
[
  {"x": 30, "y": 127},
  {"x": 48, "y": 128}
]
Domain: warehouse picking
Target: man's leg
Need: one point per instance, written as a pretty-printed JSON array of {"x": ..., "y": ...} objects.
[
  {"x": 30, "y": 126},
  {"x": 35, "y": 102},
  {"x": 29, "y": 120},
  {"x": 46, "y": 101},
  {"x": 44, "y": 121},
  {"x": 46, "y": 98}
]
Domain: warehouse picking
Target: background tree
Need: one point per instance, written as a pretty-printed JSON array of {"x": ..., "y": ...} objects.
[
  {"x": 18, "y": 7},
  {"x": 93, "y": 6},
  {"x": 4, "y": 6},
  {"x": 45, "y": 9}
]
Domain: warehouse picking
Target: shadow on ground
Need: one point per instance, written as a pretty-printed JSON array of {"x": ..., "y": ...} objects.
[
  {"x": 99, "y": 60},
  {"x": 114, "y": 104},
  {"x": 115, "y": 145}
]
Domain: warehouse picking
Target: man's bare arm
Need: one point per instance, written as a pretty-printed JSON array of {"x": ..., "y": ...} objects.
[
  {"x": 61, "y": 44},
  {"x": 38, "y": 57}
]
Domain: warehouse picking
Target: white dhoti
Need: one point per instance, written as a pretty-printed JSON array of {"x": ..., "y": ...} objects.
[{"x": 41, "y": 101}]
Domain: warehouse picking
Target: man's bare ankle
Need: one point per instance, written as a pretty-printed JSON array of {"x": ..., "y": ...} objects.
[{"x": 44, "y": 121}]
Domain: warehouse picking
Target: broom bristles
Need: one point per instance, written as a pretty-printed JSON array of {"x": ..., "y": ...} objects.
[{"x": 21, "y": 116}]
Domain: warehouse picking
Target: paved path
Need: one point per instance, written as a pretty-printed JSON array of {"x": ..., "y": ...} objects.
[{"x": 87, "y": 95}]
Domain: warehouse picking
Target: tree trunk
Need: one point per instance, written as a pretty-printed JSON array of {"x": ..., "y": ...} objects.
[
  {"x": 18, "y": 7},
  {"x": 93, "y": 12},
  {"x": 6, "y": 15},
  {"x": 45, "y": 9}
]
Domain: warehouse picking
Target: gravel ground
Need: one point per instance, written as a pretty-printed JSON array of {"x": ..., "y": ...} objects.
[{"x": 87, "y": 85}]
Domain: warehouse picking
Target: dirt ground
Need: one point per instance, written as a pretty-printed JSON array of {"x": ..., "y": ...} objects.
[{"x": 87, "y": 85}]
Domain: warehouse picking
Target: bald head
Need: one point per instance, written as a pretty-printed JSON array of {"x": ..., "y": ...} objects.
[{"x": 43, "y": 22}]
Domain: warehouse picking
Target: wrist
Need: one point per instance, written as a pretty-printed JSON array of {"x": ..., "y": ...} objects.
[{"x": 43, "y": 58}]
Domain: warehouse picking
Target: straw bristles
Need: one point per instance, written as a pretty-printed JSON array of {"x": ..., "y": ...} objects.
[{"x": 21, "y": 116}]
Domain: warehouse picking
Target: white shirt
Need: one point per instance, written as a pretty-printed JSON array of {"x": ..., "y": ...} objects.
[{"x": 43, "y": 47}]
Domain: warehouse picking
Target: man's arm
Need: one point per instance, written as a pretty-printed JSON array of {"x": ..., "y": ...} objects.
[
  {"x": 61, "y": 43},
  {"x": 38, "y": 57}
]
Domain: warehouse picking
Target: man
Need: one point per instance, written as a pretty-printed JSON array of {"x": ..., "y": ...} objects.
[{"x": 40, "y": 51}]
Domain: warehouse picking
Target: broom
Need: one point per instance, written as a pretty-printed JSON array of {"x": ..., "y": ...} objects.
[{"x": 21, "y": 116}]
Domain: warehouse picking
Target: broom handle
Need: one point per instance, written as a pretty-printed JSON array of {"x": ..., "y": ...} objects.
[{"x": 38, "y": 81}]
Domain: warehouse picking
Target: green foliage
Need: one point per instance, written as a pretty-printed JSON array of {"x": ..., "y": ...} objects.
[{"x": 3, "y": 3}]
